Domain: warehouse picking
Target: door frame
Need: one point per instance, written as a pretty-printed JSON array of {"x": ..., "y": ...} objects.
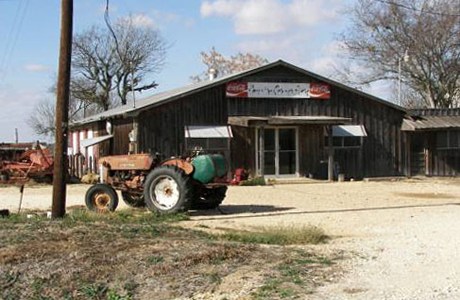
[{"x": 277, "y": 151}]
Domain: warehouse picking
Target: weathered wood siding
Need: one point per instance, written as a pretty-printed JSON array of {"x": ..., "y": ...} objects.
[
  {"x": 243, "y": 148},
  {"x": 311, "y": 150},
  {"x": 438, "y": 161},
  {"x": 445, "y": 162},
  {"x": 161, "y": 129},
  {"x": 382, "y": 153},
  {"x": 120, "y": 141}
]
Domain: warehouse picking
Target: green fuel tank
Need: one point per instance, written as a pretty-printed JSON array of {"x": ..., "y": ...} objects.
[{"x": 209, "y": 166}]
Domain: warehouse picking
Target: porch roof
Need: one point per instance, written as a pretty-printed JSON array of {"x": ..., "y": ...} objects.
[
  {"x": 427, "y": 123},
  {"x": 95, "y": 140},
  {"x": 249, "y": 121}
]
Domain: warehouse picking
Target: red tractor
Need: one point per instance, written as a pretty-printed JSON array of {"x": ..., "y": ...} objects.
[{"x": 173, "y": 185}]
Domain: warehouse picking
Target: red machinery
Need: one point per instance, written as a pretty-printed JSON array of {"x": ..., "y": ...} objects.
[{"x": 35, "y": 163}]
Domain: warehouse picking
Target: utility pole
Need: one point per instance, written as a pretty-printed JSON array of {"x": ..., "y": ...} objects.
[{"x": 62, "y": 111}]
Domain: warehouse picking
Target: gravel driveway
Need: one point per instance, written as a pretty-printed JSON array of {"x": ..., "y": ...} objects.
[{"x": 404, "y": 235}]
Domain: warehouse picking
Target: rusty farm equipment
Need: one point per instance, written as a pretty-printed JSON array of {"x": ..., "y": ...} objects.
[
  {"x": 169, "y": 186},
  {"x": 34, "y": 164}
]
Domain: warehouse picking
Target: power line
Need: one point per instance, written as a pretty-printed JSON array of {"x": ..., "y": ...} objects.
[
  {"x": 12, "y": 37},
  {"x": 416, "y": 9}
]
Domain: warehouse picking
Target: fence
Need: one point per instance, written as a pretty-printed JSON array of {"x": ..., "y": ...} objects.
[{"x": 79, "y": 165}]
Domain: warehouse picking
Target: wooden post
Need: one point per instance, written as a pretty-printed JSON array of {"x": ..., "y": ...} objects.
[
  {"x": 408, "y": 155},
  {"x": 330, "y": 162},
  {"x": 62, "y": 111},
  {"x": 262, "y": 150}
]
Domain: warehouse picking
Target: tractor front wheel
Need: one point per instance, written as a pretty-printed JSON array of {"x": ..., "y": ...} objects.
[
  {"x": 167, "y": 190},
  {"x": 101, "y": 198}
]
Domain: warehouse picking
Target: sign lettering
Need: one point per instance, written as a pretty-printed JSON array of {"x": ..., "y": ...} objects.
[{"x": 277, "y": 90}]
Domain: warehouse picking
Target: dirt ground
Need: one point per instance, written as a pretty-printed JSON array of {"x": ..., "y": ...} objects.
[{"x": 403, "y": 235}]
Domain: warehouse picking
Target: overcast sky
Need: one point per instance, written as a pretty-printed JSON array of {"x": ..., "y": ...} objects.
[{"x": 302, "y": 32}]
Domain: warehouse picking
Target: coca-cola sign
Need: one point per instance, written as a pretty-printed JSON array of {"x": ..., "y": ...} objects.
[
  {"x": 277, "y": 90},
  {"x": 237, "y": 89},
  {"x": 319, "y": 91}
]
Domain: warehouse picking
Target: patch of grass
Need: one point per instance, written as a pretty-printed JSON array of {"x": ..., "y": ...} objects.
[
  {"x": 292, "y": 277},
  {"x": 270, "y": 287},
  {"x": 292, "y": 271},
  {"x": 75, "y": 257},
  {"x": 279, "y": 235},
  {"x": 100, "y": 291},
  {"x": 154, "y": 260},
  {"x": 13, "y": 218},
  {"x": 84, "y": 216},
  {"x": 214, "y": 278},
  {"x": 253, "y": 181},
  {"x": 94, "y": 291},
  {"x": 114, "y": 295}
]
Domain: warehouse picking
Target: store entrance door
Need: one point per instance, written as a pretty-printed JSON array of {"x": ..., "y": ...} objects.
[{"x": 279, "y": 151}]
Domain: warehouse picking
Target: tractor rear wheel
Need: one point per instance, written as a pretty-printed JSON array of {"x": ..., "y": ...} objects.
[
  {"x": 133, "y": 200},
  {"x": 101, "y": 198},
  {"x": 209, "y": 198},
  {"x": 167, "y": 190}
]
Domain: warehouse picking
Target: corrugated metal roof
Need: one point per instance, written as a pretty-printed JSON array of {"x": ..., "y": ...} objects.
[
  {"x": 431, "y": 123},
  {"x": 174, "y": 94},
  {"x": 435, "y": 112}
]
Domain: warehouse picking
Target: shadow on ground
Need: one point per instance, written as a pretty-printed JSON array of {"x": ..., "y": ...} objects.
[
  {"x": 239, "y": 209},
  {"x": 279, "y": 211}
]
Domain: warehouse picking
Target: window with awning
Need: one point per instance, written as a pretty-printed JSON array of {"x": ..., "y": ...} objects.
[
  {"x": 347, "y": 136},
  {"x": 211, "y": 139}
]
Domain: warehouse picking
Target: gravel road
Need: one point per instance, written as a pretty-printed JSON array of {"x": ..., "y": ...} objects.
[{"x": 404, "y": 236}]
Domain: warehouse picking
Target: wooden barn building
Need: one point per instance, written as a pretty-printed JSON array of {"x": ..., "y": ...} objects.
[{"x": 277, "y": 120}]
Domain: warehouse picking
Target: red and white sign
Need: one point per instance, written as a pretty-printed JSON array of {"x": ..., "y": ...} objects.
[
  {"x": 319, "y": 91},
  {"x": 277, "y": 90},
  {"x": 237, "y": 89}
]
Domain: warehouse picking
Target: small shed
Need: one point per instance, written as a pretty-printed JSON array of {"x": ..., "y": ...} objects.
[{"x": 433, "y": 142}]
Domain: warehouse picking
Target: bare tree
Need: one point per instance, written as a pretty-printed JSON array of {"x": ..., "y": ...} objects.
[
  {"x": 226, "y": 66},
  {"x": 415, "y": 41},
  {"x": 103, "y": 62},
  {"x": 42, "y": 120},
  {"x": 105, "y": 69},
  {"x": 43, "y": 117}
]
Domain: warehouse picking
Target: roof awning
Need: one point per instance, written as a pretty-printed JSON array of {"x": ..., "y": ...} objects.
[
  {"x": 348, "y": 130},
  {"x": 427, "y": 123},
  {"x": 96, "y": 140},
  {"x": 248, "y": 121},
  {"x": 223, "y": 132}
]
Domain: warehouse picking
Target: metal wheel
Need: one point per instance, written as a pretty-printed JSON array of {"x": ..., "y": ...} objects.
[
  {"x": 167, "y": 190},
  {"x": 101, "y": 198}
]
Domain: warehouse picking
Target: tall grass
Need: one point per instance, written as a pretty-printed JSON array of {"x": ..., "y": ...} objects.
[{"x": 279, "y": 235}]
